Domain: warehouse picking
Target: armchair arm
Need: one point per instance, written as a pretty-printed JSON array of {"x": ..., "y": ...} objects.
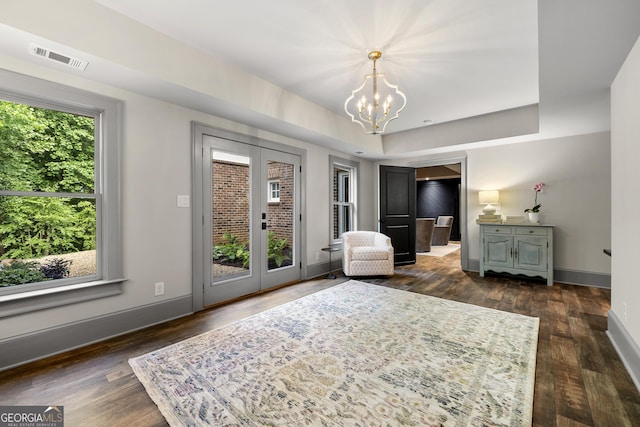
[{"x": 382, "y": 240}]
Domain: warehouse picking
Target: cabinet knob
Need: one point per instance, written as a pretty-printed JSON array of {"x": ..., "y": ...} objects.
[
  {"x": 497, "y": 230},
  {"x": 530, "y": 231}
]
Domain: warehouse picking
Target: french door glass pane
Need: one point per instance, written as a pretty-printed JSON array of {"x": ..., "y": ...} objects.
[
  {"x": 280, "y": 217},
  {"x": 231, "y": 210}
]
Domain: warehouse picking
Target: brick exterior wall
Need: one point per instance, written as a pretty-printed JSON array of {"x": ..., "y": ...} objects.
[{"x": 230, "y": 184}]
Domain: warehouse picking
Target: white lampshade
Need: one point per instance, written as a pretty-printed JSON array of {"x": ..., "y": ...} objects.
[{"x": 488, "y": 197}]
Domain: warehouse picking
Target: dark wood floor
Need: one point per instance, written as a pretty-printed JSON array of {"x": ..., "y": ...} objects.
[{"x": 580, "y": 380}]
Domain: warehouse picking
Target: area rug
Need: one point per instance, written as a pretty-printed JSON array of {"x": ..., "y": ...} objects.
[
  {"x": 355, "y": 354},
  {"x": 441, "y": 250}
]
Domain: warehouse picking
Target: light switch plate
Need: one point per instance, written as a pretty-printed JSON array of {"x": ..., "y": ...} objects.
[{"x": 183, "y": 201}]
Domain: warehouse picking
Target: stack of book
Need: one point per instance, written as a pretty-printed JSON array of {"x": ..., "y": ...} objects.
[
  {"x": 489, "y": 218},
  {"x": 515, "y": 220}
]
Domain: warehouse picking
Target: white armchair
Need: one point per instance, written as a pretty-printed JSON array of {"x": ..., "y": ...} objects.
[{"x": 366, "y": 253}]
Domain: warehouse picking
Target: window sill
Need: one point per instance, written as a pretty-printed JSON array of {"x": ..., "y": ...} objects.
[{"x": 29, "y": 301}]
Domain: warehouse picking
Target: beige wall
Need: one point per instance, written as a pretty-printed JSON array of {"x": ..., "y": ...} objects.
[
  {"x": 576, "y": 200},
  {"x": 576, "y": 171},
  {"x": 625, "y": 194}
]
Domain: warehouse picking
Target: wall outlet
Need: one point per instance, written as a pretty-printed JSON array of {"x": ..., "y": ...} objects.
[
  {"x": 624, "y": 311},
  {"x": 159, "y": 288},
  {"x": 317, "y": 255}
]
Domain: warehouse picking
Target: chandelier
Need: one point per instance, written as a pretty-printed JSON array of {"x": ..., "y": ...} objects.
[{"x": 372, "y": 105}]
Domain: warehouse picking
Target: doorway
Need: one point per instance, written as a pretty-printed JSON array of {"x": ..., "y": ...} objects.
[
  {"x": 462, "y": 206},
  {"x": 438, "y": 194},
  {"x": 247, "y": 200}
]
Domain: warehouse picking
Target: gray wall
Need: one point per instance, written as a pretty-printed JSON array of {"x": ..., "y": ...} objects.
[
  {"x": 624, "y": 318},
  {"x": 157, "y": 234}
]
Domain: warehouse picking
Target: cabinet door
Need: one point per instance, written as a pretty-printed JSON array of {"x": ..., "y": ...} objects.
[
  {"x": 498, "y": 251},
  {"x": 531, "y": 253}
]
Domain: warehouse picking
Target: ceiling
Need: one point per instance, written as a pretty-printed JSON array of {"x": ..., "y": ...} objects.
[
  {"x": 453, "y": 58},
  {"x": 456, "y": 60},
  {"x": 439, "y": 172}
]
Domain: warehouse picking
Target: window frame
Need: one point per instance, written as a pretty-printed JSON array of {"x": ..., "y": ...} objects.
[
  {"x": 352, "y": 167},
  {"x": 33, "y": 91}
]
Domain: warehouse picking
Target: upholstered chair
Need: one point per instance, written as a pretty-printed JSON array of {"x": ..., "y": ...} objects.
[
  {"x": 424, "y": 234},
  {"x": 366, "y": 253},
  {"x": 442, "y": 231}
]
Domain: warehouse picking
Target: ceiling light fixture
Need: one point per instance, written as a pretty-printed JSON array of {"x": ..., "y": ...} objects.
[{"x": 364, "y": 105}]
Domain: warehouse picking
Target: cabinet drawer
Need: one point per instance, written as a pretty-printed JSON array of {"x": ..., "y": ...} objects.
[
  {"x": 532, "y": 231},
  {"x": 488, "y": 229}
]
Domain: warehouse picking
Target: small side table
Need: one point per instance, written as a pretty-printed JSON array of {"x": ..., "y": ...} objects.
[{"x": 331, "y": 249}]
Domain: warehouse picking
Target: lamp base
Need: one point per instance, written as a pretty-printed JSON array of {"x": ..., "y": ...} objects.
[{"x": 489, "y": 209}]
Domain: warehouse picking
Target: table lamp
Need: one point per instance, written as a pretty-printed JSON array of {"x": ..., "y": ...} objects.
[{"x": 488, "y": 198}]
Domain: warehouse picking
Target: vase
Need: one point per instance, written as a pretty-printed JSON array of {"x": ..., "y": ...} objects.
[{"x": 534, "y": 217}]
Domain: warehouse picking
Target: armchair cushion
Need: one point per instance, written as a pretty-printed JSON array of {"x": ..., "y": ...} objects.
[{"x": 369, "y": 253}]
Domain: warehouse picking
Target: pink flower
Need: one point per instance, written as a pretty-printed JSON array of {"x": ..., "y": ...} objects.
[
  {"x": 538, "y": 187},
  {"x": 536, "y": 206}
]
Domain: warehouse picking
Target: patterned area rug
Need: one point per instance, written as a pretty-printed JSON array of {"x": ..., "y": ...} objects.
[{"x": 355, "y": 354}]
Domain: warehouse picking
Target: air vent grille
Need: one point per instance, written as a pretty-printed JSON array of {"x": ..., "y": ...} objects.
[{"x": 78, "y": 64}]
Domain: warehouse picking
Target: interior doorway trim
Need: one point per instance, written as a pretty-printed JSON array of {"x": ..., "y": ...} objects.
[
  {"x": 198, "y": 131},
  {"x": 464, "y": 229}
]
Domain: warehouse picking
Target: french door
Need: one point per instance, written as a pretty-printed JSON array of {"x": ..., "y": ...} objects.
[{"x": 251, "y": 218}]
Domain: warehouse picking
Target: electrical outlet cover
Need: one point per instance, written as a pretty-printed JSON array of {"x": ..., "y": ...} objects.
[
  {"x": 183, "y": 200},
  {"x": 159, "y": 290}
]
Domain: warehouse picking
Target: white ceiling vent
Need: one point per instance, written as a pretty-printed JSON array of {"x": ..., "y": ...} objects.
[{"x": 58, "y": 57}]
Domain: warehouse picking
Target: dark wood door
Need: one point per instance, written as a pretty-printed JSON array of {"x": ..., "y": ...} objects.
[{"x": 398, "y": 211}]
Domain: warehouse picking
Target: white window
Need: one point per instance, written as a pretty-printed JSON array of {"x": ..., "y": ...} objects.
[
  {"x": 343, "y": 175},
  {"x": 274, "y": 191},
  {"x": 59, "y": 195}
]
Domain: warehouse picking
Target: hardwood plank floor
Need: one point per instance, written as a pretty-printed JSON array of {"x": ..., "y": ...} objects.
[{"x": 580, "y": 380}]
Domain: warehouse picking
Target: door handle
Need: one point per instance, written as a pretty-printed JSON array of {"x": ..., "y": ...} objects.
[{"x": 264, "y": 225}]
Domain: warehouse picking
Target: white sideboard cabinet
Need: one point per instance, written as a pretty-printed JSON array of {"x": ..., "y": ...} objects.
[{"x": 517, "y": 249}]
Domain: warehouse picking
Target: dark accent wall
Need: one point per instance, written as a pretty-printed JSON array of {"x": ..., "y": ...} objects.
[{"x": 438, "y": 197}]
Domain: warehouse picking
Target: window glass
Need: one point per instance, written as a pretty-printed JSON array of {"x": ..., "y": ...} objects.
[
  {"x": 47, "y": 198},
  {"x": 274, "y": 190}
]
